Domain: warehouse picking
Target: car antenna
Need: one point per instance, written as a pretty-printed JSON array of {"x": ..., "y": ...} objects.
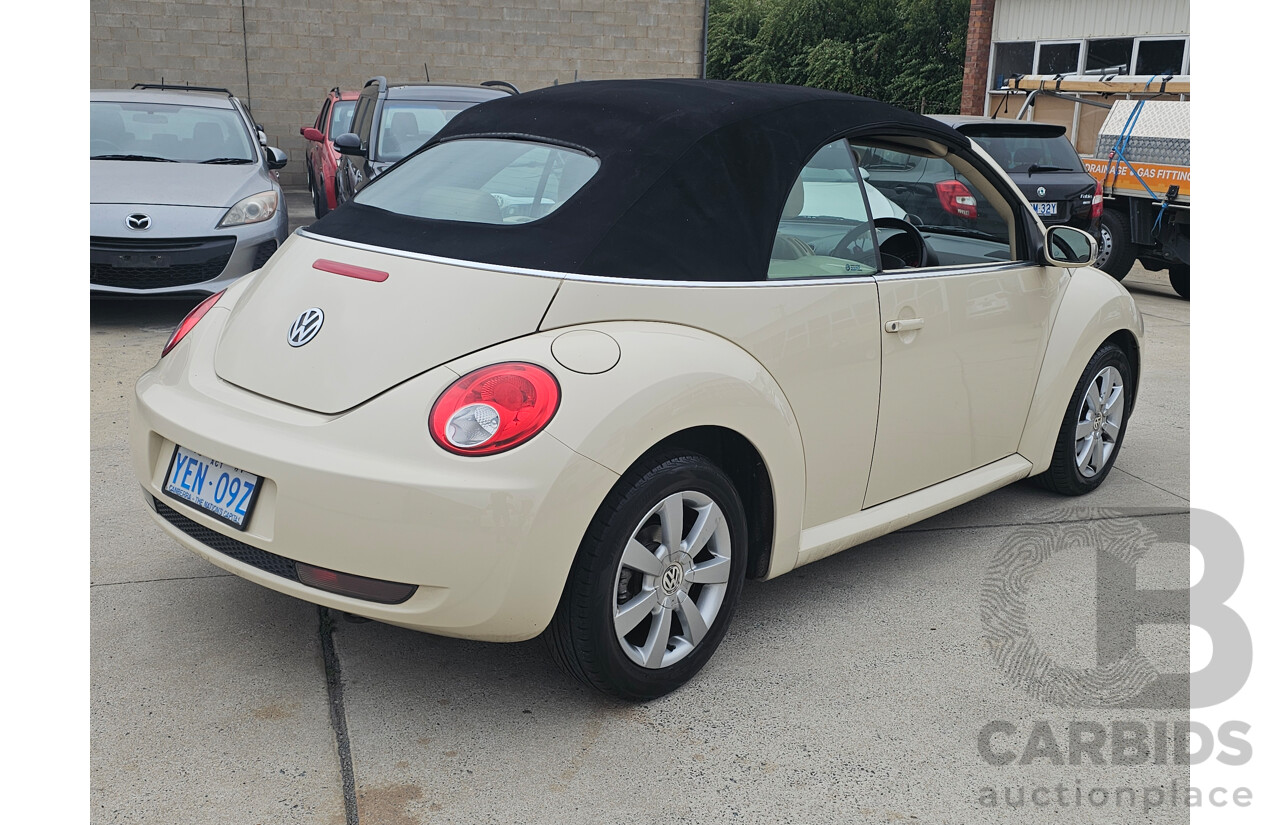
[{"x": 427, "y": 72}]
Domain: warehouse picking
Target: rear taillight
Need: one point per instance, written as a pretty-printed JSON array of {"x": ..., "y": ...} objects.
[
  {"x": 189, "y": 323},
  {"x": 1096, "y": 212},
  {"x": 956, "y": 198},
  {"x": 494, "y": 408}
]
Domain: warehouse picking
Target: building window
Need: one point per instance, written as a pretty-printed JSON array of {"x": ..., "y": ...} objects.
[
  {"x": 1160, "y": 57},
  {"x": 1058, "y": 58},
  {"x": 1113, "y": 55},
  {"x": 1011, "y": 59}
]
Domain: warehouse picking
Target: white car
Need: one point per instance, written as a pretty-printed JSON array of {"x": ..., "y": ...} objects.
[{"x": 593, "y": 419}]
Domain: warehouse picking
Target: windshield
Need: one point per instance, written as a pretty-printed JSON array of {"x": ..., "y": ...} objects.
[
  {"x": 482, "y": 181},
  {"x": 340, "y": 123},
  {"x": 1019, "y": 154},
  {"x": 407, "y": 124},
  {"x": 167, "y": 132}
]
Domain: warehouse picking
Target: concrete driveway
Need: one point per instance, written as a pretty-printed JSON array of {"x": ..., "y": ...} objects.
[{"x": 858, "y": 689}]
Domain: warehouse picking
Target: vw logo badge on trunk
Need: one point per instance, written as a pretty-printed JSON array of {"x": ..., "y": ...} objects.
[
  {"x": 1040, "y": 191},
  {"x": 306, "y": 327},
  {"x": 138, "y": 221}
]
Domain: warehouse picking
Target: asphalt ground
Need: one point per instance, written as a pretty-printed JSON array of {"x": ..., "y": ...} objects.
[{"x": 872, "y": 686}]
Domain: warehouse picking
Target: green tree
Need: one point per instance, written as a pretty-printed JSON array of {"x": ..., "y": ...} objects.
[
  {"x": 931, "y": 54},
  {"x": 732, "y": 26},
  {"x": 902, "y": 51}
]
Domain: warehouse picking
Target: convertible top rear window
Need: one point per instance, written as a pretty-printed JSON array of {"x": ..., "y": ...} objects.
[{"x": 482, "y": 180}]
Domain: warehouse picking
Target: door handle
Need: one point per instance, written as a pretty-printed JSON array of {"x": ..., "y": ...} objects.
[{"x": 904, "y": 325}]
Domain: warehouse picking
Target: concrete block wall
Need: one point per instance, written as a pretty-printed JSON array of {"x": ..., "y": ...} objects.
[{"x": 281, "y": 56}]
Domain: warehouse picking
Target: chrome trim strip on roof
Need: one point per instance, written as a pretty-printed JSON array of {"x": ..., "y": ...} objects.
[{"x": 892, "y": 275}]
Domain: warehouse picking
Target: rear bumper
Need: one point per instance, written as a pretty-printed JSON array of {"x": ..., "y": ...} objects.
[{"x": 487, "y": 541}]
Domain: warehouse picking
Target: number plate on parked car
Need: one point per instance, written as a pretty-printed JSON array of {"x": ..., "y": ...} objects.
[
  {"x": 1046, "y": 208},
  {"x": 226, "y": 493}
]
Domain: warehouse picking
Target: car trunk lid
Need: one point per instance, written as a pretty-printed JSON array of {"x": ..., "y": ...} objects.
[{"x": 382, "y": 319}]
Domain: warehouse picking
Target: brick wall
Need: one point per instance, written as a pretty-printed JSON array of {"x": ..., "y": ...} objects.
[
  {"x": 977, "y": 57},
  {"x": 296, "y": 50}
]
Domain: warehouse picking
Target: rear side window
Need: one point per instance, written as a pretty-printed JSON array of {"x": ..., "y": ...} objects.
[
  {"x": 481, "y": 180},
  {"x": 341, "y": 123}
]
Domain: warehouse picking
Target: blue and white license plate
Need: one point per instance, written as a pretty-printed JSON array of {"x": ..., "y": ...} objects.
[
  {"x": 1045, "y": 207},
  {"x": 224, "y": 492}
]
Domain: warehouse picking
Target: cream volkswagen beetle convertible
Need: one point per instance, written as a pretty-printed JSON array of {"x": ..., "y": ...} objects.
[{"x": 596, "y": 353}]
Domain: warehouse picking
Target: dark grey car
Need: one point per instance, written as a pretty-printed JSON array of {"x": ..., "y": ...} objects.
[
  {"x": 182, "y": 191},
  {"x": 392, "y": 121}
]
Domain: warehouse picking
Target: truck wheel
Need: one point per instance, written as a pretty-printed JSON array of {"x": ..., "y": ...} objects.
[
  {"x": 1180, "y": 280},
  {"x": 1115, "y": 254}
]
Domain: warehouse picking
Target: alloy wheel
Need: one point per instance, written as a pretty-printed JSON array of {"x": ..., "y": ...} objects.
[
  {"x": 1098, "y": 421},
  {"x": 672, "y": 579}
]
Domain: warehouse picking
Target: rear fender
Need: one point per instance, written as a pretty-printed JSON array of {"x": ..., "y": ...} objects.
[{"x": 668, "y": 379}]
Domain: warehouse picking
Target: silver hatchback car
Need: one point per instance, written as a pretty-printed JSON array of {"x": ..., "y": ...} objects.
[{"x": 182, "y": 192}]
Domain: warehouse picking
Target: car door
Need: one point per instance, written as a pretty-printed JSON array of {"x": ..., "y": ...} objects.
[
  {"x": 349, "y": 166},
  {"x": 315, "y": 149},
  {"x": 962, "y": 342},
  {"x": 824, "y": 347}
]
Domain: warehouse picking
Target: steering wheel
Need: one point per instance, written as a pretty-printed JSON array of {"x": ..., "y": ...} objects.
[
  {"x": 101, "y": 146},
  {"x": 915, "y": 254}
]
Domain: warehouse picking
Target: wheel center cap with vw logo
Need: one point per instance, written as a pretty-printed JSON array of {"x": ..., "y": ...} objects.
[
  {"x": 306, "y": 327},
  {"x": 138, "y": 221},
  {"x": 673, "y": 585},
  {"x": 672, "y": 578}
]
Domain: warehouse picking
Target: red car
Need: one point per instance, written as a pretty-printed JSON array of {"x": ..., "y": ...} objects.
[{"x": 322, "y": 159}]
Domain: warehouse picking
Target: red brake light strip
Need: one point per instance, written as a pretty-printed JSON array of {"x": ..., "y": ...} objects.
[{"x": 350, "y": 270}]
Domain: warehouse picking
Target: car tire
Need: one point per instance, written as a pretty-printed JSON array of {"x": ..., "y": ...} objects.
[
  {"x": 1180, "y": 280},
  {"x": 319, "y": 200},
  {"x": 1094, "y": 425},
  {"x": 691, "y": 592},
  {"x": 1115, "y": 252}
]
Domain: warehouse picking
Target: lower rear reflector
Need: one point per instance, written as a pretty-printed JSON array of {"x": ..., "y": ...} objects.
[{"x": 358, "y": 587}]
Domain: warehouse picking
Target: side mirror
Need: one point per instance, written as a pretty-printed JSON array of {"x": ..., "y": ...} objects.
[
  {"x": 312, "y": 134},
  {"x": 348, "y": 144},
  {"x": 1069, "y": 247},
  {"x": 276, "y": 158}
]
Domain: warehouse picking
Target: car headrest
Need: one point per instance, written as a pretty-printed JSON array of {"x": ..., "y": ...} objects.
[
  {"x": 404, "y": 124},
  {"x": 1026, "y": 156}
]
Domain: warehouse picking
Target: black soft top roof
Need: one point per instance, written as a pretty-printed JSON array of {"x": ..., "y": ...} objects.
[{"x": 692, "y": 180}]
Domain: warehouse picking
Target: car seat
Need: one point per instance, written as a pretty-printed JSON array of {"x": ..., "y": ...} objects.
[
  {"x": 789, "y": 247},
  {"x": 400, "y": 135},
  {"x": 106, "y": 128},
  {"x": 455, "y": 203},
  {"x": 207, "y": 141},
  {"x": 1026, "y": 156}
]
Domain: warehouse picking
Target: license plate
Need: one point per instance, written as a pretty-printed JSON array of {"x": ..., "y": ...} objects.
[
  {"x": 1045, "y": 208},
  {"x": 141, "y": 260},
  {"x": 224, "y": 492}
]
